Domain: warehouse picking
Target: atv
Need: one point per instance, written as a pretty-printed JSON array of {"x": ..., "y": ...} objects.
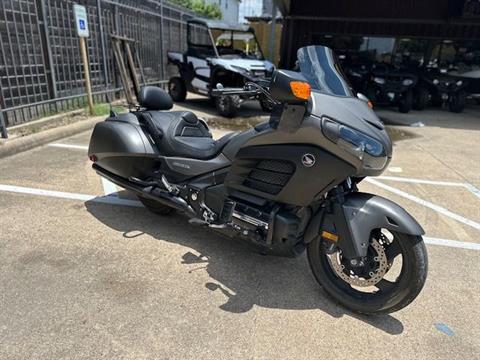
[
  {"x": 219, "y": 53},
  {"x": 390, "y": 86},
  {"x": 437, "y": 86}
]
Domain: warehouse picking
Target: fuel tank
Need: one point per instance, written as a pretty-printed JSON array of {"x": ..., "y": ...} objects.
[{"x": 120, "y": 146}]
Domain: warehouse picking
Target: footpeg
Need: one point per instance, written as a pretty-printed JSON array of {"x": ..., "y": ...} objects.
[
  {"x": 171, "y": 188},
  {"x": 198, "y": 222}
]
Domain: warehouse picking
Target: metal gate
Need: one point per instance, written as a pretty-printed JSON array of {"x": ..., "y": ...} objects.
[{"x": 40, "y": 66}]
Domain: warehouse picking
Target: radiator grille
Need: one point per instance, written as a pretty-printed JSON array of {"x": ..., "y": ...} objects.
[{"x": 270, "y": 176}]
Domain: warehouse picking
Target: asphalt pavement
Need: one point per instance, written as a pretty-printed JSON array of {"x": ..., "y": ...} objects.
[{"x": 87, "y": 273}]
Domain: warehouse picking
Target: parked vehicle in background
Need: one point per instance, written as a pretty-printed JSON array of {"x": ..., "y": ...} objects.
[
  {"x": 439, "y": 88},
  {"x": 473, "y": 79},
  {"x": 390, "y": 86},
  {"x": 219, "y": 53}
]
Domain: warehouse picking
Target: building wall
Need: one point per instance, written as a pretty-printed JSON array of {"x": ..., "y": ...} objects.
[
  {"x": 254, "y": 8},
  {"x": 229, "y": 9},
  {"x": 430, "y": 19}
]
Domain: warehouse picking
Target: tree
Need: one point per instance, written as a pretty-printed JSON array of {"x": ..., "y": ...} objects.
[{"x": 200, "y": 7}]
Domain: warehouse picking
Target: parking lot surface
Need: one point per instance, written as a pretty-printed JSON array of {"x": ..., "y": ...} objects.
[{"x": 89, "y": 273}]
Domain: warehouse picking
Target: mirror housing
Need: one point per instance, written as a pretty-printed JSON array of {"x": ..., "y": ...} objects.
[{"x": 289, "y": 87}]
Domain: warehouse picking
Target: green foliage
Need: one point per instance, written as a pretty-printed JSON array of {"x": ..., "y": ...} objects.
[{"x": 200, "y": 7}]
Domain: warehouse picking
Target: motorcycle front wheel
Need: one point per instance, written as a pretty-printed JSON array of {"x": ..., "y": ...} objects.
[{"x": 393, "y": 272}]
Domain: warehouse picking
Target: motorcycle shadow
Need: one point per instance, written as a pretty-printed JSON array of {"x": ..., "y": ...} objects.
[{"x": 244, "y": 276}]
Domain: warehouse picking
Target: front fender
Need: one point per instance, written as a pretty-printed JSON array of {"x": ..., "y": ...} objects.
[{"x": 360, "y": 213}]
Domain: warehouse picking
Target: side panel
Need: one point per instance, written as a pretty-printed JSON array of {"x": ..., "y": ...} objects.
[
  {"x": 119, "y": 148},
  {"x": 279, "y": 172}
]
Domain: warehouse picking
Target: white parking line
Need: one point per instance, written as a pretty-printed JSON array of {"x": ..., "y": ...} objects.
[
  {"x": 115, "y": 200},
  {"x": 109, "y": 188},
  {"x": 467, "y": 186},
  {"x": 126, "y": 202},
  {"x": 425, "y": 203},
  {"x": 451, "y": 243},
  {"x": 69, "y": 146}
]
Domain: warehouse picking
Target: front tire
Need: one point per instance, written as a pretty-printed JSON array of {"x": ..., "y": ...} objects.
[
  {"x": 457, "y": 102},
  {"x": 155, "y": 207},
  {"x": 227, "y": 105},
  {"x": 421, "y": 98},
  {"x": 389, "y": 296},
  {"x": 406, "y": 102}
]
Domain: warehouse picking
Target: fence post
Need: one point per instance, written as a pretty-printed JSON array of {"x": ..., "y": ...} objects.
[
  {"x": 3, "y": 126},
  {"x": 48, "y": 47},
  {"x": 102, "y": 41},
  {"x": 161, "y": 42}
]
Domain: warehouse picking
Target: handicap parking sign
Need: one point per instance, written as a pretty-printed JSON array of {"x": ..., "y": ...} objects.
[{"x": 81, "y": 22}]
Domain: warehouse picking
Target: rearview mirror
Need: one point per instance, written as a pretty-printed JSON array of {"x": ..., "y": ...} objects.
[{"x": 289, "y": 87}]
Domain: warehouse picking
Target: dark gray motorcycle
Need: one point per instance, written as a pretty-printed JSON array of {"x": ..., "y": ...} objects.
[{"x": 286, "y": 185}]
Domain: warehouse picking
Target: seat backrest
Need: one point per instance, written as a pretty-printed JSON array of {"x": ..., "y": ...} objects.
[{"x": 154, "y": 98}]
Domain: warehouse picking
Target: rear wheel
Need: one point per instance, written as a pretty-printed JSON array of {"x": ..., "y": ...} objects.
[
  {"x": 154, "y": 206},
  {"x": 177, "y": 89},
  {"x": 421, "y": 98},
  {"x": 227, "y": 105},
  {"x": 393, "y": 272},
  {"x": 406, "y": 102},
  {"x": 457, "y": 102}
]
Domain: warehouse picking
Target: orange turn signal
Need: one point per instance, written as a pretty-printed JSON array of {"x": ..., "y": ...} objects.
[
  {"x": 329, "y": 236},
  {"x": 300, "y": 89}
]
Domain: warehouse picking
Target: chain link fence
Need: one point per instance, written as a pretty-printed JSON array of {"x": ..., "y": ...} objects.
[{"x": 40, "y": 65}]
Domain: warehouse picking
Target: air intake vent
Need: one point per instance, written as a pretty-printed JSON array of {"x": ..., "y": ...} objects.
[{"x": 270, "y": 176}]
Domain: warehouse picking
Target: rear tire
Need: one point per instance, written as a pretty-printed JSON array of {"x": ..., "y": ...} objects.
[
  {"x": 421, "y": 98},
  {"x": 457, "y": 102},
  {"x": 406, "y": 102},
  {"x": 155, "y": 207},
  {"x": 227, "y": 105},
  {"x": 177, "y": 89},
  {"x": 410, "y": 281}
]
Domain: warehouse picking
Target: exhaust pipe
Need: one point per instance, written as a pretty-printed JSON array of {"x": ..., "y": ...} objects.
[{"x": 150, "y": 192}]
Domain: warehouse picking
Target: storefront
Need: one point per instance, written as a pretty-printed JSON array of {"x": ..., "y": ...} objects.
[{"x": 432, "y": 32}]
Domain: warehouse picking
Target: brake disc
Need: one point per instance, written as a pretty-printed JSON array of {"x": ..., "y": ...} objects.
[{"x": 374, "y": 275}]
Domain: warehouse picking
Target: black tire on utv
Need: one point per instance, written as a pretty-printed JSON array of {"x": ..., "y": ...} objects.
[
  {"x": 406, "y": 102},
  {"x": 154, "y": 206},
  {"x": 227, "y": 105},
  {"x": 177, "y": 89},
  {"x": 457, "y": 102},
  {"x": 421, "y": 98}
]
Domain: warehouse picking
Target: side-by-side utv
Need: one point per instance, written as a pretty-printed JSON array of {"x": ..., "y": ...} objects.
[{"x": 219, "y": 53}]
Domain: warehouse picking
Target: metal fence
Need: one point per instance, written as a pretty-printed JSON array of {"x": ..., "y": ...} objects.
[{"x": 40, "y": 65}]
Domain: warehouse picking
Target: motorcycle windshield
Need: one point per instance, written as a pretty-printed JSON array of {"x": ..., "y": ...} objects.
[{"x": 322, "y": 70}]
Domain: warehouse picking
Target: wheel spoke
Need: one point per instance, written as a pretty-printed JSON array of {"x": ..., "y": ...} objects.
[
  {"x": 385, "y": 285},
  {"x": 393, "y": 250}
]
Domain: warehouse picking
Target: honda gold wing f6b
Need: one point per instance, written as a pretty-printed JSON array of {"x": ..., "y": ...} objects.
[{"x": 286, "y": 185}]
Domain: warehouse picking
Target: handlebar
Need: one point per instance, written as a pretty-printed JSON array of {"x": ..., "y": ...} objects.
[
  {"x": 250, "y": 89},
  {"x": 234, "y": 91}
]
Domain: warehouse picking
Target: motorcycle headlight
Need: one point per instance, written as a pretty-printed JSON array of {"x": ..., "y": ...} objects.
[
  {"x": 379, "y": 80},
  {"x": 407, "y": 82},
  {"x": 435, "y": 82},
  {"x": 459, "y": 83},
  {"x": 362, "y": 146}
]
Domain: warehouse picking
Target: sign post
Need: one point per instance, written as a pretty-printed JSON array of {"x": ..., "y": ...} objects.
[{"x": 81, "y": 24}]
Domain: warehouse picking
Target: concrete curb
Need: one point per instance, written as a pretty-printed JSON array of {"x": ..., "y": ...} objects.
[{"x": 24, "y": 143}]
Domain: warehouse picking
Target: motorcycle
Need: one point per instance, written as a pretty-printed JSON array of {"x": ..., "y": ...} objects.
[{"x": 286, "y": 185}]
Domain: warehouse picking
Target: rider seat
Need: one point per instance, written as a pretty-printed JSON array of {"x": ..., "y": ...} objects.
[
  {"x": 184, "y": 135},
  {"x": 177, "y": 133}
]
